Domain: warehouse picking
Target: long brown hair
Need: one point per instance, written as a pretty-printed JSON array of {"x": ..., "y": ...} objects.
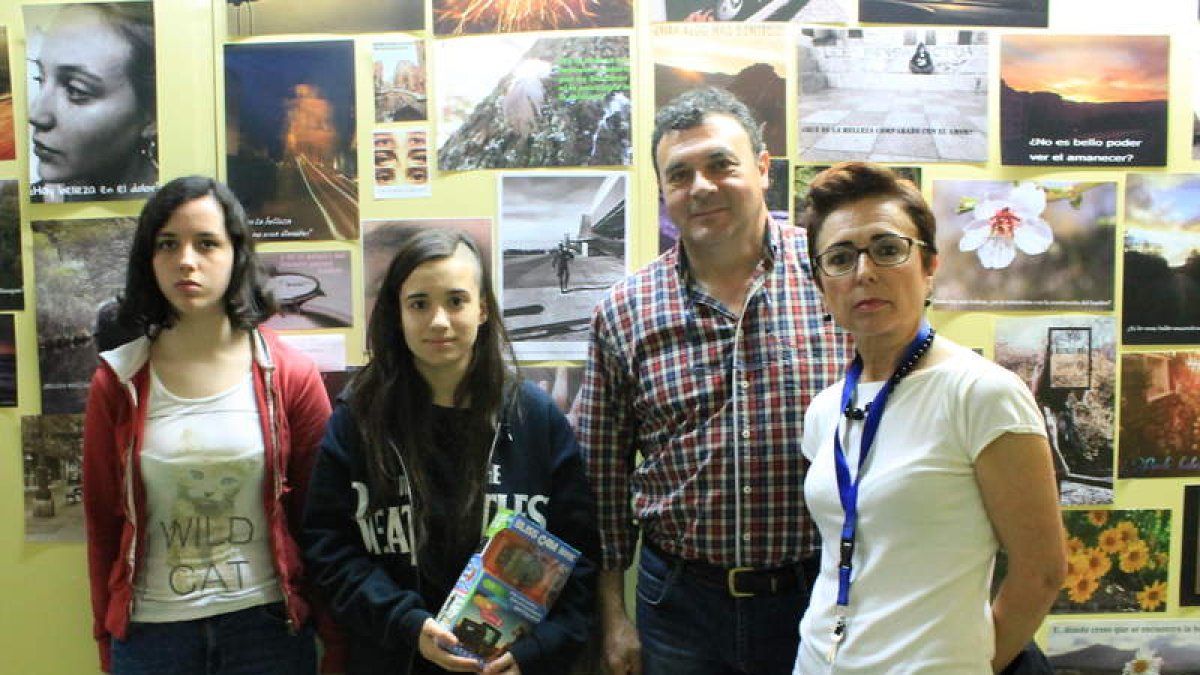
[{"x": 393, "y": 403}]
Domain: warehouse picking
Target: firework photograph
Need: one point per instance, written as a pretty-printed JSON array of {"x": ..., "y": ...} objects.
[
  {"x": 1117, "y": 561},
  {"x": 563, "y": 244},
  {"x": 246, "y": 18},
  {"x": 12, "y": 284},
  {"x": 1160, "y": 415},
  {"x": 465, "y": 17},
  {"x": 748, "y": 61},
  {"x": 1162, "y": 259},
  {"x": 1025, "y": 245},
  {"x": 52, "y": 460},
  {"x": 893, "y": 95},
  {"x": 290, "y": 138},
  {"x": 1069, "y": 363},
  {"x": 750, "y": 11},
  {"x": 399, "y": 76},
  {"x": 8, "y": 143},
  {"x": 382, "y": 238},
  {"x": 79, "y": 275},
  {"x": 1028, "y": 13},
  {"x": 1111, "y": 647},
  {"x": 528, "y": 102},
  {"x": 312, "y": 289},
  {"x": 1084, "y": 100}
]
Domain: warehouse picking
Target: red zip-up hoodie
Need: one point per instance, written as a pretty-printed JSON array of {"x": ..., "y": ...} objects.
[{"x": 293, "y": 409}]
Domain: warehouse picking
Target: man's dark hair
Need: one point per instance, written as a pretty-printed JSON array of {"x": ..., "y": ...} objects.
[
  {"x": 689, "y": 109},
  {"x": 247, "y": 300}
]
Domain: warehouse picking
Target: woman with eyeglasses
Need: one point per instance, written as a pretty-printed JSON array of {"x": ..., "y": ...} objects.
[{"x": 927, "y": 459}]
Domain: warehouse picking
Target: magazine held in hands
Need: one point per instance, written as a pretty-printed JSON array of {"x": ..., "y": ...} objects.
[{"x": 507, "y": 587}]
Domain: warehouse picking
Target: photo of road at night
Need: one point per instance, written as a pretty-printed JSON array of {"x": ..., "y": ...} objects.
[{"x": 290, "y": 121}]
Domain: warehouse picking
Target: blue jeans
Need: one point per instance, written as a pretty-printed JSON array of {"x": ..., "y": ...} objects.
[
  {"x": 252, "y": 641},
  {"x": 689, "y": 626}
]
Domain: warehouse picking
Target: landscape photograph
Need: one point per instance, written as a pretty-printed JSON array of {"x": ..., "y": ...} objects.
[
  {"x": 1162, "y": 259},
  {"x": 1084, "y": 100}
]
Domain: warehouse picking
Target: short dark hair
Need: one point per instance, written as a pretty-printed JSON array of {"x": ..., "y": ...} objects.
[
  {"x": 247, "y": 300},
  {"x": 849, "y": 182},
  {"x": 689, "y": 109}
]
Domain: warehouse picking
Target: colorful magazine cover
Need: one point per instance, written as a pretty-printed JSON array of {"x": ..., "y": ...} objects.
[{"x": 507, "y": 587}]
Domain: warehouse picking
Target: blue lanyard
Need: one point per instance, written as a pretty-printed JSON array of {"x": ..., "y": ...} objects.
[{"x": 847, "y": 489}]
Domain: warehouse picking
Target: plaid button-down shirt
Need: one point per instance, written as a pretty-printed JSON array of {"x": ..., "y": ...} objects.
[{"x": 715, "y": 407}]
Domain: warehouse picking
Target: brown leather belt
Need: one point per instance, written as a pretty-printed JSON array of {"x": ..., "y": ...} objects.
[{"x": 739, "y": 582}]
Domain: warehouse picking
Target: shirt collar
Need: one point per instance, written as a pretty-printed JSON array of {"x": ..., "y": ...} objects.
[{"x": 770, "y": 253}]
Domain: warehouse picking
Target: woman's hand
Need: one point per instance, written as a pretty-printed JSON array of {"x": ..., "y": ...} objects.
[
  {"x": 433, "y": 636},
  {"x": 504, "y": 664}
]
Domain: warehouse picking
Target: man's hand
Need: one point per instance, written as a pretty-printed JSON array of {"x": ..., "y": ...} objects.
[
  {"x": 622, "y": 648},
  {"x": 433, "y": 636}
]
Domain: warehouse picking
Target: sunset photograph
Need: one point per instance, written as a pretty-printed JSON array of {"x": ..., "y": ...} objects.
[
  {"x": 1162, "y": 258},
  {"x": 1084, "y": 100}
]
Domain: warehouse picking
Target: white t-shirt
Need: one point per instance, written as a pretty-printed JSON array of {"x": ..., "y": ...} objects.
[
  {"x": 924, "y": 550},
  {"x": 207, "y": 545}
]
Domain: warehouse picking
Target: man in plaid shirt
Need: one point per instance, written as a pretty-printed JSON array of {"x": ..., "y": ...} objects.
[{"x": 702, "y": 364}]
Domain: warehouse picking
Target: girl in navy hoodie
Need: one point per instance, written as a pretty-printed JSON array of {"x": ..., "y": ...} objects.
[{"x": 432, "y": 437}]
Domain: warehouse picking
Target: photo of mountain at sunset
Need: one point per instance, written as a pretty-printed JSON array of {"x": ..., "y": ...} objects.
[{"x": 1084, "y": 100}]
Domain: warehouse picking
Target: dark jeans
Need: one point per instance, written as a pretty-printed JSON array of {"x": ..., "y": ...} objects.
[
  {"x": 689, "y": 626},
  {"x": 252, "y": 641}
]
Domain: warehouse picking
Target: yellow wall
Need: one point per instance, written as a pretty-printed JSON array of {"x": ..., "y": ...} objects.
[{"x": 44, "y": 615}]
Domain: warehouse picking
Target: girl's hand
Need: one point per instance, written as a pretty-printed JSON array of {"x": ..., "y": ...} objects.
[
  {"x": 504, "y": 664},
  {"x": 433, "y": 636}
]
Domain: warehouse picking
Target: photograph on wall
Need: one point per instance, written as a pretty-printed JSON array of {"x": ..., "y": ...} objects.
[
  {"x": 1196, "y": 104},
  {"x": 381, "y": 239},
  {"x": 750, "y": 11},
  {"x": 893, "y": 95},
  {"x": 311, "y": 288},
  {"x": 467, "y": 17},
  {"x": 290, "y": 148},
  {"x": 8, "y": 141},
  {"x": 1162, "y": 259},
  {"x": 246, "y": 18},
  {"x": 8, "y": 361},
  {"x": 1028, "y": 13},
  {"x": 1113, "y": 647},
  {"x": 52, "y": 470},
  {"x": 1189, "y": 587},
  {"x": 1009, "y": 246},
  {"x": 803, "y": 177},
  {"x": 1069, "y": 362},
  {"x": 402, "y": 163},
  {"x": 399, "y": 77},
  {"x": 1160, "y": 415},
  {"x": 749, "y": 61},
  {"x": 563, "y": 244},
  {"x": 93, "y": 116},
  {"x": 335, "y": 381},
  {"x": 12, "y": 281},
  {"x": 1117, "y": 561},
  {"x": 1084, "y": 100},
  {"x": 525, "y": 102},
  {"x": 561, "y": 381},
  {"x": 79, "y": 273},
  {"x": 327, "y": 350}
]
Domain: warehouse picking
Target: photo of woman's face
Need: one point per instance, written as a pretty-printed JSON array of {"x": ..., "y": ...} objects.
[{"x": 85, "y": 117}]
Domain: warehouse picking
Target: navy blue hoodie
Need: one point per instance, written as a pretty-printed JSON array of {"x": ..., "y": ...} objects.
[{"x": 358, "y": 546}]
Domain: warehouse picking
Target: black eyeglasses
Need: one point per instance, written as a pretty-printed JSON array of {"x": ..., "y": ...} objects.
[{"x": 886, "y": 251}]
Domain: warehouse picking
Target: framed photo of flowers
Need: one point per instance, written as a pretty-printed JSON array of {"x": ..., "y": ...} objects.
[
  {"x": 1189, "y": 578},
  {"x": 1025, "y": 245},
  {"x": 1117, "y": 561}
]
